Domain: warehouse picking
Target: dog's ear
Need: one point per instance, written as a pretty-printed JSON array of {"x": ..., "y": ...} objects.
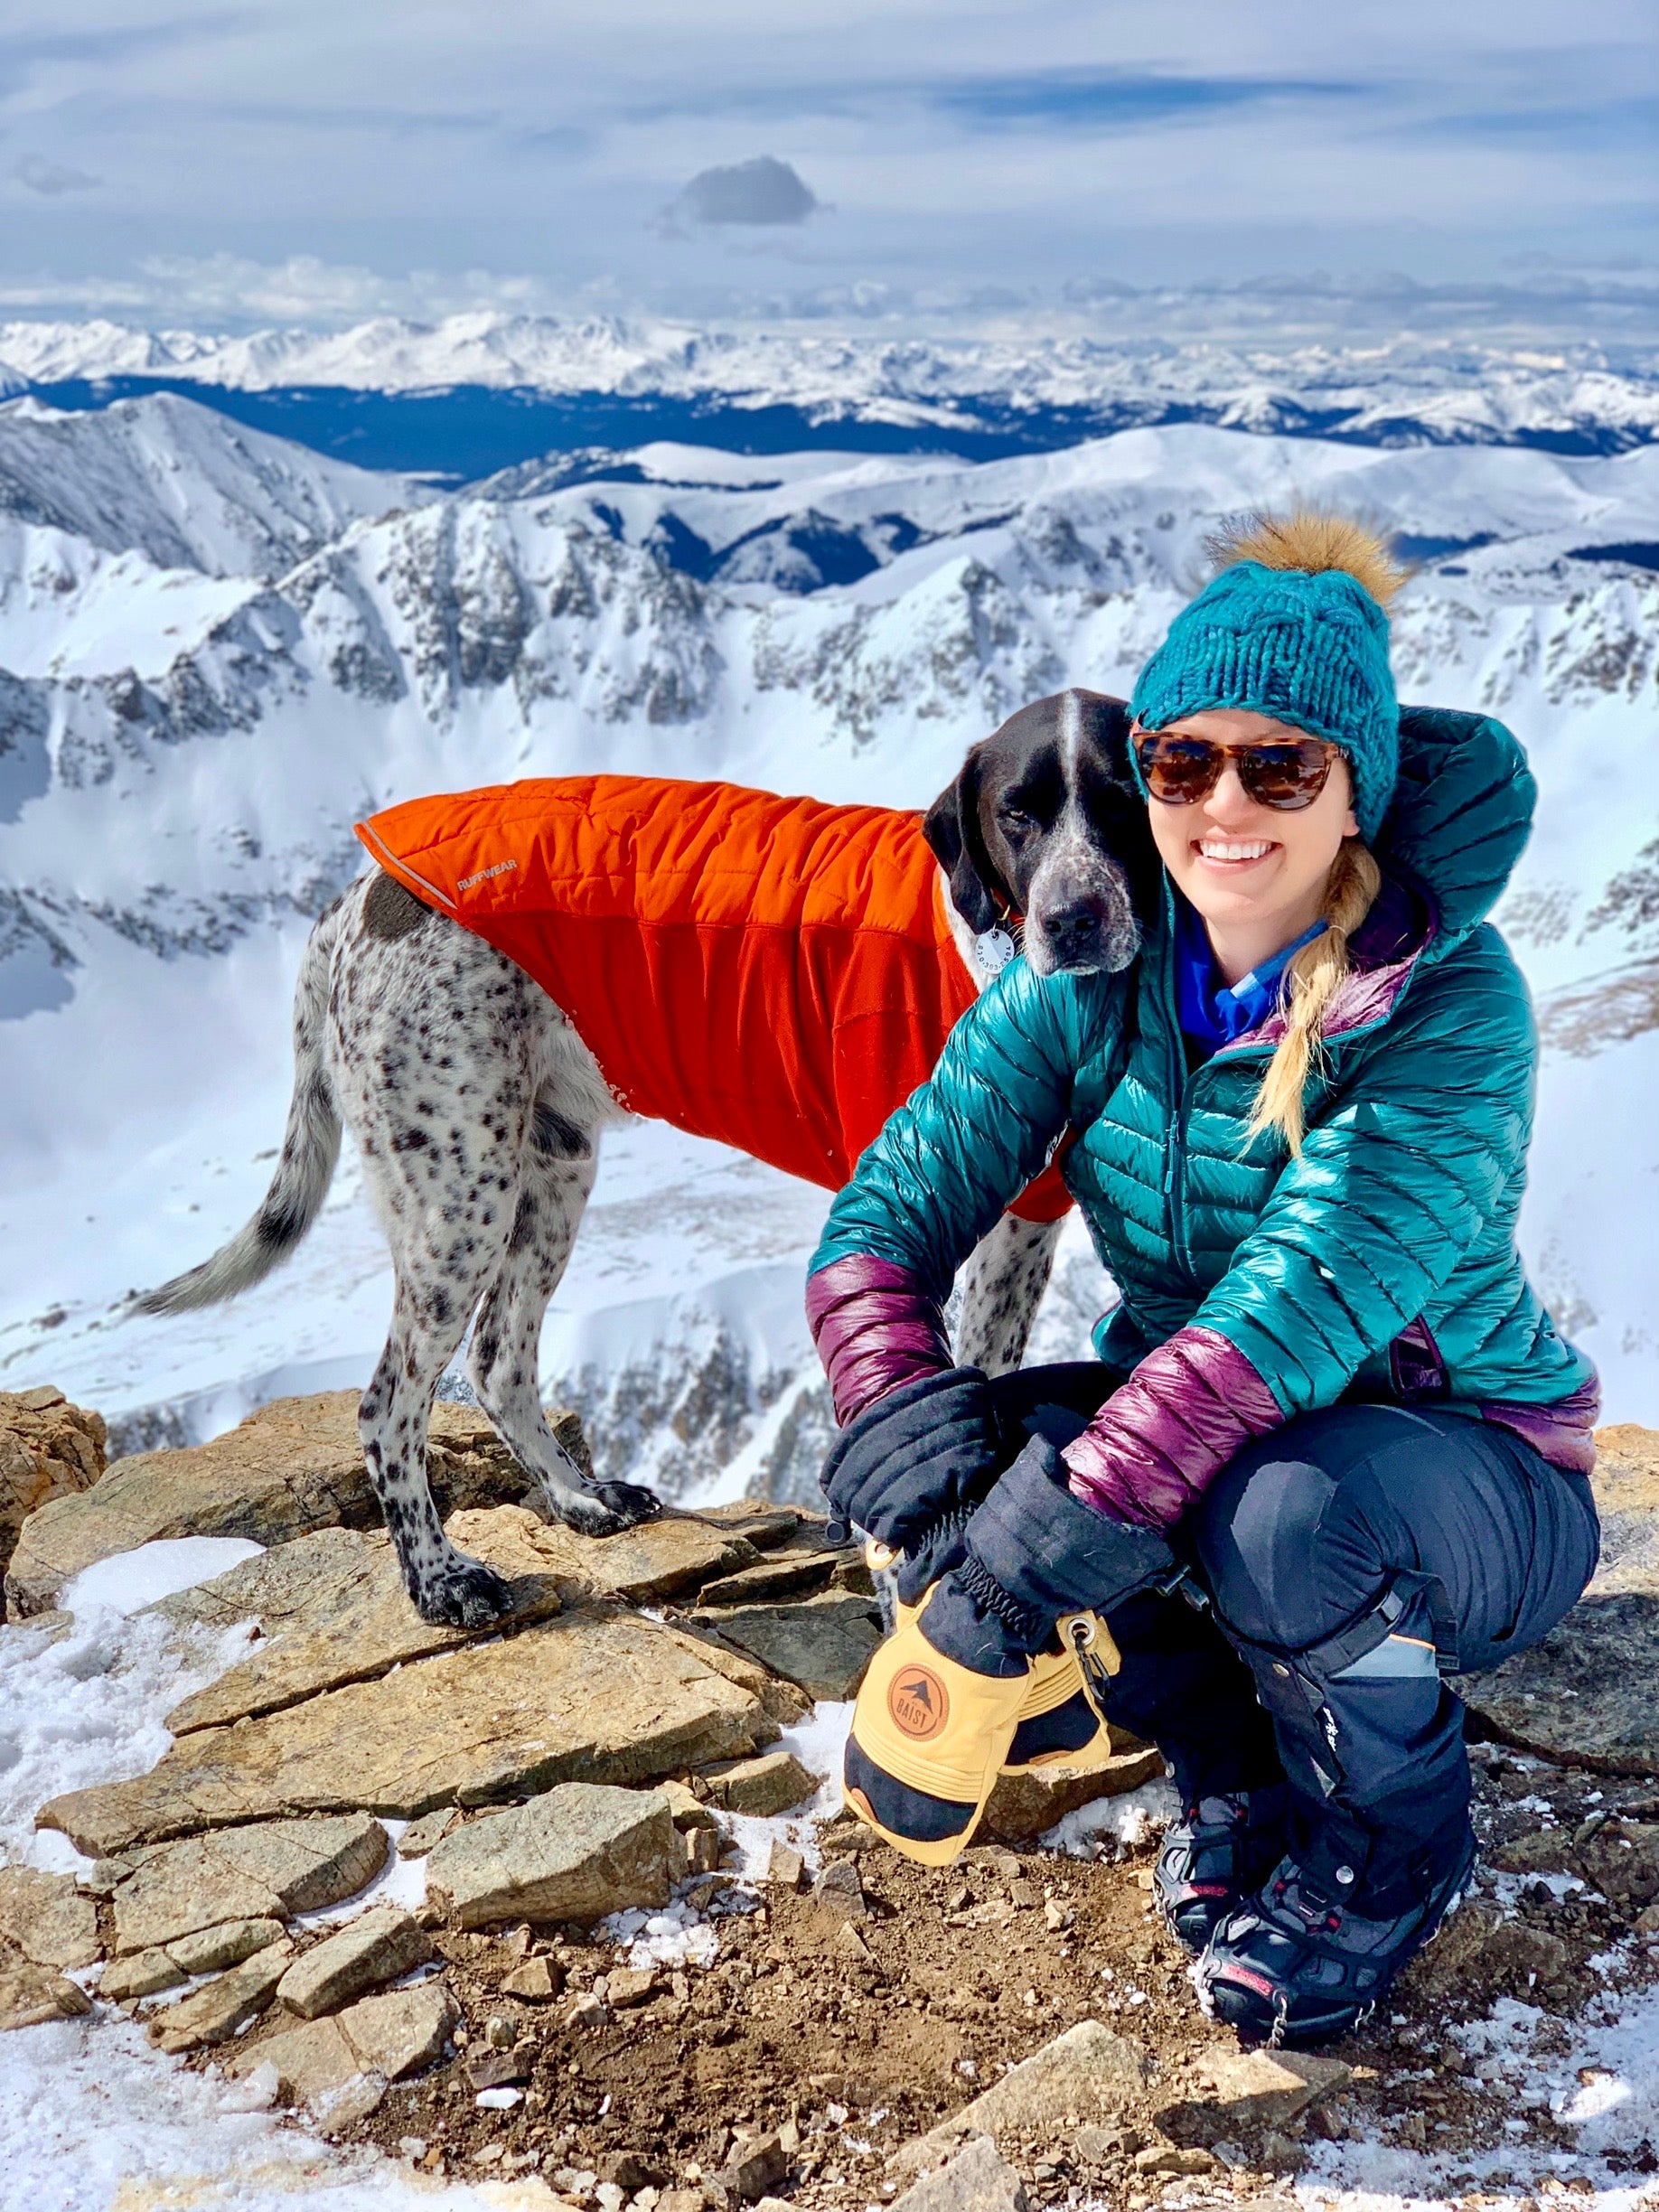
[{"x": 952, "y": 828}]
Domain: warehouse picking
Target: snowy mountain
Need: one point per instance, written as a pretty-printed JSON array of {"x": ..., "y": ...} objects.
[
  {"x": 183, "y": 746},
  {"x": 182, "y": 485},
  {"x": 763, "y": 387}
]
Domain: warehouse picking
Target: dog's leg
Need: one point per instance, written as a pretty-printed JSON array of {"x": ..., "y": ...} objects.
[
  {"x": 432, "y": 1050},
  {"x": 1003, "y": 1284},
  {"x": 505, "y": 1363},
  {"x": 444, "y": 1582}
]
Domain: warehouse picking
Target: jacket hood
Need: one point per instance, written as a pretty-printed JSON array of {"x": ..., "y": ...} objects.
[{"x": 1460, "y": 819}]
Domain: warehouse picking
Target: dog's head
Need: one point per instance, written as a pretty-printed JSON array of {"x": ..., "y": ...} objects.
[{"x": 1045, "y": 824}]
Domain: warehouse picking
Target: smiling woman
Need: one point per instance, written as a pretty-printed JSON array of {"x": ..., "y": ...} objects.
[{"x": 1329, "y": 1404}]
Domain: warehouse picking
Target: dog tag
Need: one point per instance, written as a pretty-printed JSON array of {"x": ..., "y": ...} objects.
[{"x": 993, "y": 949}]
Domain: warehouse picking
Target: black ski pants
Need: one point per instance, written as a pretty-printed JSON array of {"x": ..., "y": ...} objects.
[{"x": 1348, "y": 1566}]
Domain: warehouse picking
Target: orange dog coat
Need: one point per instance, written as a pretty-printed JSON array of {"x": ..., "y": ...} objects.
[{"x": 774, "y": 973}]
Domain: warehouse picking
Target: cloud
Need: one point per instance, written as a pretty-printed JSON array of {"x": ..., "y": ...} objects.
[
  {"x": 231, "y": 291},
  {"x": 763, "y": 190},
  {"x": 52, "y": 178}
]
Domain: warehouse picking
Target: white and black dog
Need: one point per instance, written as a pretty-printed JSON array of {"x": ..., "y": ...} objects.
[{"x": 417, "y": 1032}]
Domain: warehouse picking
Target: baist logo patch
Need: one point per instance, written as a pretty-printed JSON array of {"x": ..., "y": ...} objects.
[{"x": 918, "y": 1703}]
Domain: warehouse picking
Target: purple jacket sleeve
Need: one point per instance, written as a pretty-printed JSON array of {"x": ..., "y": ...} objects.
[
  {"x": 1160, "y": 1440},
  {"x": 874, "y": 1327}
]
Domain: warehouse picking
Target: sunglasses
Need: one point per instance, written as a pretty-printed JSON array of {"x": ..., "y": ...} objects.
[{"x": 1285, "y": 772}]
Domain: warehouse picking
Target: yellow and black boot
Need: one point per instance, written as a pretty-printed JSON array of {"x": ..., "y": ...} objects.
[{"x": 943, "y": 1697}]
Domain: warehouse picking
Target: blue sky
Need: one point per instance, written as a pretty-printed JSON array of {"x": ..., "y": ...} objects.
[{"x": 924, "y": 159}]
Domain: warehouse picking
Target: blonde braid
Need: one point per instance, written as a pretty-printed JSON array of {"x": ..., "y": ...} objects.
[{"x": 1312, "y": 979}]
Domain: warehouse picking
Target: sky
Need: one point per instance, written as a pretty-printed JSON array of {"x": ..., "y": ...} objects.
[{"x": 850, "y": 161}]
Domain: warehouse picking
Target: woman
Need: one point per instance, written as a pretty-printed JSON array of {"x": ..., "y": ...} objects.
[{"x": 1329, "y": 1411}]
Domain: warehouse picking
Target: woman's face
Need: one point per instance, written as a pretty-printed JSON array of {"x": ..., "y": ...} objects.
[{"x": 1248, "y": 867}]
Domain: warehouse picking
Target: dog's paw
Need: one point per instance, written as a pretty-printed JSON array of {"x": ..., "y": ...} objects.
[
  {"x": 466, "y": 1594},
  {"x": 607, "y": 1508},
  {"x": 630, "y": 1502}
]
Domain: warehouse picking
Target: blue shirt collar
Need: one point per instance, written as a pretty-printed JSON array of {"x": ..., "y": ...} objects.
[{"x": 1213, "y": 1012}]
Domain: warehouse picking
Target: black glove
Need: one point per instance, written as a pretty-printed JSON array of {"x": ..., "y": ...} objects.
[
  {"x": 919, "y": 1460},
  {"x": 1033, "y": 1554}
]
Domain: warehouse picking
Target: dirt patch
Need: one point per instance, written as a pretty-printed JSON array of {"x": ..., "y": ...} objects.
[{"x": 862, "y": 2034}]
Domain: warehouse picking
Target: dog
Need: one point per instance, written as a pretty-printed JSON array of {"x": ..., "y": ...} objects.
[{"x": 477, "y": 1100}]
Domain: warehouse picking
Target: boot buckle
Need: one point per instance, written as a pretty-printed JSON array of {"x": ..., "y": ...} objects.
[{"x": 1089, "y": 1642}]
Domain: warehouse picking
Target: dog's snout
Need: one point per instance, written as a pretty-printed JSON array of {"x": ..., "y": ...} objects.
[{"x": 1076, "y": 931}]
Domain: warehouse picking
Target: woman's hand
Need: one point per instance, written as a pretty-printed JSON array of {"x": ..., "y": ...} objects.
[{"x": 921, "y": 1459}]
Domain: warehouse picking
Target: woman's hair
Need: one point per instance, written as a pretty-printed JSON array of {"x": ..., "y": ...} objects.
[{"x": 1312, "y": 979}]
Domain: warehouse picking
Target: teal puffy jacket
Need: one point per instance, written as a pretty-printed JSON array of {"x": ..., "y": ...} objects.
[{"x": 1255, "y": 1286}]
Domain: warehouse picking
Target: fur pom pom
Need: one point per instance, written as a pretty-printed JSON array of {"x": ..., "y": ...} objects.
[{"x": 1311, "y": 542}]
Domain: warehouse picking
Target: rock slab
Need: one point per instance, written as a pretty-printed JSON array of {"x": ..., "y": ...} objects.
[
  {"x": 762, "y": 1786},
  {"x": 380, "y": 1946},
  {"x": 381, "y": 2039},
  {"x": 46, "y": 1917},
  {"x": 334, "y": 1610},
  {"x": 575, "y": 1853},
  {"x": 658, "y": 1560},
  {"x": 212, "y": 2013},
  {"x": 30, "y": 1995},
  {"x": 579, "y": 1698},
  {"x": 294, "y": 1466},
  {"x": 1024, "y": 1807},
  {"x": 1252, "y": 2089},
  {"x": 1083, "y": 2076},
  {"x": 268, "y": 1872},
  {"x": 977, "y": 2179},
  {"x": 49, "y": 1448},
  {"x": 822, "y": 1644}
]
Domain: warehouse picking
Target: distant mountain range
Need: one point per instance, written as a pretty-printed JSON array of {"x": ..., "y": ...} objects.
[
  {"x": 218, "y": 648},
  {"x": 480, "y": 392}
]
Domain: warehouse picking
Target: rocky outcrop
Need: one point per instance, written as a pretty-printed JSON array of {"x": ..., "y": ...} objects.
[
  {"x": 265, "y": 1872},
  {"x": 575, "y": 1853},
  {"x": 334, "y": 1610},
  {"x": 294, "y": 1465},
  {"x": 1584, "y": 1695},
  {"x": 49, "y": 1448},
  {"x": 583, "y": 1697}
]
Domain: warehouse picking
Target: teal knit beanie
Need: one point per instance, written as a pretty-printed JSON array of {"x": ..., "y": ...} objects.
[{"x": 1309, "y": 648}]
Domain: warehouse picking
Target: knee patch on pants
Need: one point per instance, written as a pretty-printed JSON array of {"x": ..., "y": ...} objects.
[{"x": 1375, "y": 1677}]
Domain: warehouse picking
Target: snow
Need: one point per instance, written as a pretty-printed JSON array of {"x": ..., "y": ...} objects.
[
  {"x": 183, "y": 485},
  {"x": 1126, "y": 1823},
  {"x": 93, "y": 2120},
  {"x": 87, "y": 1707},
  {"x": 130, "y": 1580}
]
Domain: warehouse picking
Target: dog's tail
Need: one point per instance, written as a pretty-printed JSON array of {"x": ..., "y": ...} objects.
[{"x": 310, "y": 1151}]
